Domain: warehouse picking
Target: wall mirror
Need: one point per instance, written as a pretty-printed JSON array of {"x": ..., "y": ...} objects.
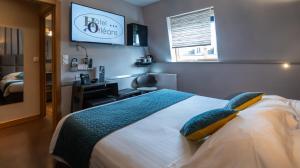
[{"x": 11, "y": 65}]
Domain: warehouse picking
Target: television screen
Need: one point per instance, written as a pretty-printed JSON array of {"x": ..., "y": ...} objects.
[{"x": 96, "y": 26}]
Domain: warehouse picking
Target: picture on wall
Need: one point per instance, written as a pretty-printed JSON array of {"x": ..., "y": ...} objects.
[{"x": 11, "y": 65}]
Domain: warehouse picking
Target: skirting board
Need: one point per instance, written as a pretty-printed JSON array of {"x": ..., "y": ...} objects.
[{"x": 19, "y": 121}]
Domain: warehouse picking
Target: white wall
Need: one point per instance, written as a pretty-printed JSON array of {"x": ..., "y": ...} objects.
[
  {"x": 247, "y": 30},
  {"x": 21, "y": 15}
]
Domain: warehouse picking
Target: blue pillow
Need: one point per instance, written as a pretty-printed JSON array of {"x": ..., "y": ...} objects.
[
  {"x": 207, "y": 123},
  {"x": 244, "y": 100},
  {"x": 20, "y": 76}
]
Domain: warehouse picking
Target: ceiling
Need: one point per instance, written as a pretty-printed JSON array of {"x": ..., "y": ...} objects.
[{"x": 141, "y": 2}]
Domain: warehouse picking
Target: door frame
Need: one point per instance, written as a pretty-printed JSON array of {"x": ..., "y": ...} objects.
[
  {"x": 43, "y": 80},
  {"x": 56, "y": 73},
  {"x": 56, "y": 78}
]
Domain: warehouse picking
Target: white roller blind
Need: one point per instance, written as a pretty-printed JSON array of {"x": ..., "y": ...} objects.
[{"x": 191, "y": 29}]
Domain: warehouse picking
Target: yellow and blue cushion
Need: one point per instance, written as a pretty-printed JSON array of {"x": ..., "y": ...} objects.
[
  {"x": 20, "y": 76},
  {"x": 207, "y": 123},
  {"x": 244, "y": 100}
]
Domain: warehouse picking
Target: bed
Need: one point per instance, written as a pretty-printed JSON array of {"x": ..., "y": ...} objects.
[
  {"x": 264, "y": 135},
  {"x": 11, "y": 65},
  {"x": 11, "y": 88}
]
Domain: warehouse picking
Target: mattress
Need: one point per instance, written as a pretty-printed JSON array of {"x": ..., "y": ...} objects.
[
  {"x": 17, "y": 87},
  {"x": 266, "y": 134},
  {"x": 151, "y": 142},
  {"x": 8, "y": 86}
]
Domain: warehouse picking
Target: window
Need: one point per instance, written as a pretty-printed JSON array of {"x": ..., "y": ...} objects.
[{"x": 193, "y": 36}]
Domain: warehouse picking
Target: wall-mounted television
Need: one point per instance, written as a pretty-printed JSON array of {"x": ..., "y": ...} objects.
[{"x": 96, "y": 26}]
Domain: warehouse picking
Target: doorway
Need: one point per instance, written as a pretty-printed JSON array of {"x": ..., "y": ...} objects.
[
  {"x": 48, "y": 64},
  {"x": 49, "y": 85}
]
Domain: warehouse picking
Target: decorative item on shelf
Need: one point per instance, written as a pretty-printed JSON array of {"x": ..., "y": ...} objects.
[
  {"x": 101, "y": 74},
  {"x": 74, "y": 65},
  {"x": 149, "y": 58},
  {"x": 90, "y": 63},
  {"x": 144, "y": 61},
  {"x": 85, "y": 64},
  {"x": 85, "y": 61},
  {"x": 85, "y": 79},
  {"x": 94, "y": 80},
  {"x": 82, "y": 67}
]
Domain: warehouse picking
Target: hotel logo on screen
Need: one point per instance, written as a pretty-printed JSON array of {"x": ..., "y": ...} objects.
[{"x": 98, "y": 26}]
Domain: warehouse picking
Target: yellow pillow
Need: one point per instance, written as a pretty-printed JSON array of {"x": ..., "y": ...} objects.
[
  {"x": 244, "y": 100},
  {"x": 207, "y": 123}
]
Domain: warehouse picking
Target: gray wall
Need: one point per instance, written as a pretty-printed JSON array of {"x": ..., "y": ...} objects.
[
  {"x": 223, "y": 80},
  {"x": 118, "y": 60},
  {"x": 247, "y": 30}
]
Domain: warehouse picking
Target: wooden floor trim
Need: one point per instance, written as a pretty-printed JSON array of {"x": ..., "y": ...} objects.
[{"x": 19, "y": 121}]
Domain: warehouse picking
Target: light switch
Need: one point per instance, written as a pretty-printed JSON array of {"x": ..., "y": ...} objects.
[
  {"x": 35, "y": 59},
  {"x": 65, "y": 59}
]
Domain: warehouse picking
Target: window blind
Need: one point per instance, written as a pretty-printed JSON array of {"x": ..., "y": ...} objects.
[{"x": 191, "y": 29}]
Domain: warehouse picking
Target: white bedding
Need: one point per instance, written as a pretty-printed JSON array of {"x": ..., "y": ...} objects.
[
  {"x": 264, "y": 135},
  {"x": 152, "y": 142},
  {"x": 16, "y": 87}
]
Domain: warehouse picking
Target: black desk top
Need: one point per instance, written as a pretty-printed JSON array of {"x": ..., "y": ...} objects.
[{"x": 77, "y": 83}]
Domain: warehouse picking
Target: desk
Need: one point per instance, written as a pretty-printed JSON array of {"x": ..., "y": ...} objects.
[
  {"x": 164, "y": 80},
  {"x": 85, "y": 96}
]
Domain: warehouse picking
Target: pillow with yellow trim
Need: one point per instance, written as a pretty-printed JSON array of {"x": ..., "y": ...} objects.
[
  {"x": 207, "y": 123},
  {"x": 244, "y": 100}
]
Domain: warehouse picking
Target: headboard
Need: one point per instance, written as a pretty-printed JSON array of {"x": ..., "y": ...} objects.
[{"x": 11, "y": 51}]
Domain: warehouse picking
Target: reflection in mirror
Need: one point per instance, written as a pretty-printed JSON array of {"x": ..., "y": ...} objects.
[
  {"x": 48, "y": 63},
  {"x": 11, "y": 65}
]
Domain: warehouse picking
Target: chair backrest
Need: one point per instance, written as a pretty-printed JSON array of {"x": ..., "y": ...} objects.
[{"x": 146, "y": 81}]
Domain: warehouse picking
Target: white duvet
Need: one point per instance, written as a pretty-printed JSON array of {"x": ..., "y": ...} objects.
[
  {"x": 16, "y": 87},
  {"x": 264, "y": 135}
]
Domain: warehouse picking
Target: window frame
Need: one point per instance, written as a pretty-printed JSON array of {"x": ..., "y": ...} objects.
[{"x": 175, "y": 57}]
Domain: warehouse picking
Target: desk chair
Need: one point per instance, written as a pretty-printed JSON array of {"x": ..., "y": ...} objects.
[{"x": 145, "y": 83}]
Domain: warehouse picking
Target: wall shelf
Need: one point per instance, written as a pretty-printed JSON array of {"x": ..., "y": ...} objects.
[
  {"x": 82, "y": 70},
  {"x": 141, "y": 64}
]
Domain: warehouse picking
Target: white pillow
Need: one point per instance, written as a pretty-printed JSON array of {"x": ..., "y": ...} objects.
[
  {"x": 11, "y": 76},
  {"x": 295, "y": 104}
]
